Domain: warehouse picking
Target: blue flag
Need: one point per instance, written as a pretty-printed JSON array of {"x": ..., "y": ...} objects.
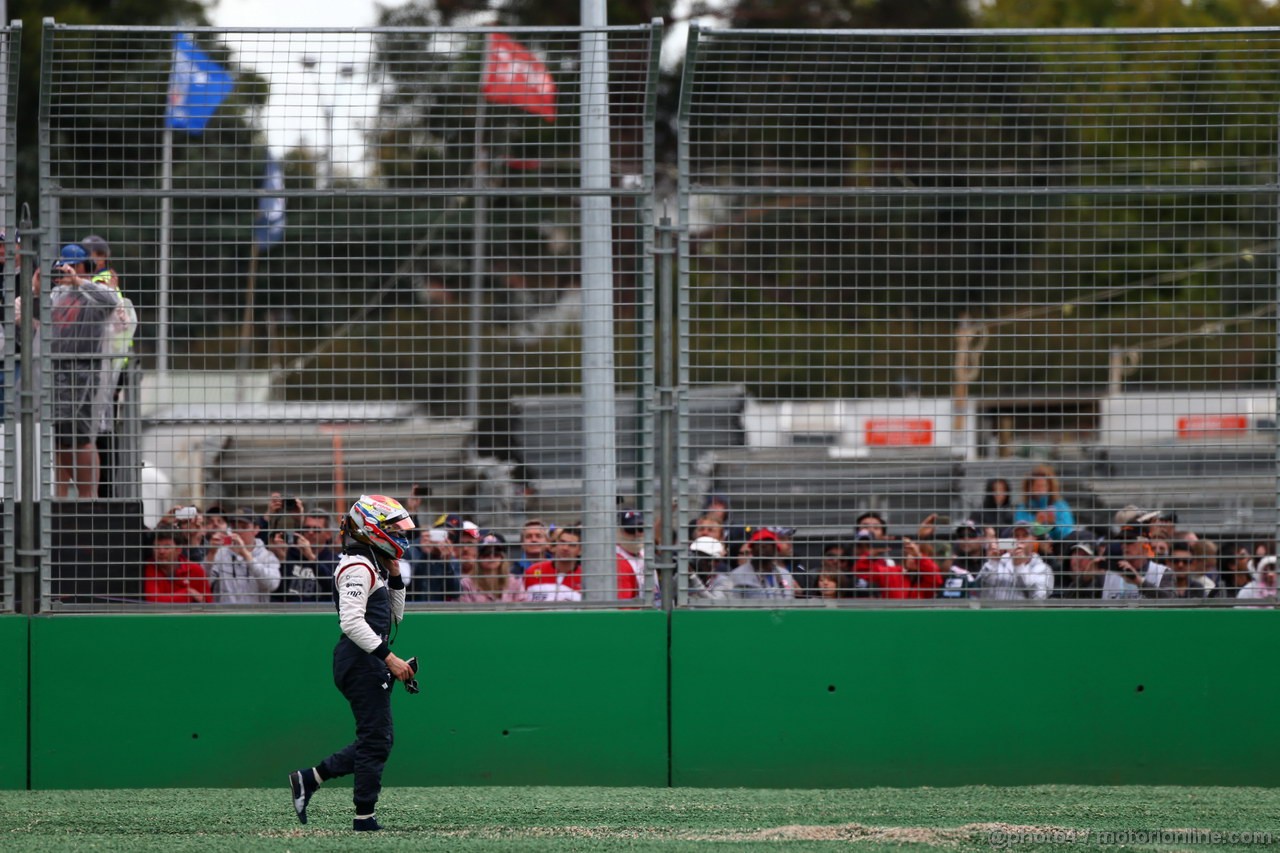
[
  {"x": 268, "y": 226},
  {"x": 197, "y": 85}
]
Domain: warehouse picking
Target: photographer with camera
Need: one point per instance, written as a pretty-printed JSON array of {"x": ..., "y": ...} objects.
[
  {"x": 307, "y": 560},
  {"x": 369, "y": 595},
  {"x": 283, "y": 513},
  {"x": 243, "y": 570},
  {"x": 301, "y": 578},
  {"x": 80, "y": 311},
  {"x": 189, "y": 531}
]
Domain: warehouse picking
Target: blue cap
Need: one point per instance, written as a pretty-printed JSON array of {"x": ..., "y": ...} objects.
[
  {"x": 631, "y": 520},
  {"x": 73, "y": 253}
]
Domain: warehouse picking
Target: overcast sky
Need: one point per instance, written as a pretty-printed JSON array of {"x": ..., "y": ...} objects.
[
  {"x": 298, "y": 98},
  {"x": 296, "y": 13}
]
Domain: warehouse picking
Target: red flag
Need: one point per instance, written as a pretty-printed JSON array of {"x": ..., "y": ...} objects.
[{"x": 513, "y": 75}]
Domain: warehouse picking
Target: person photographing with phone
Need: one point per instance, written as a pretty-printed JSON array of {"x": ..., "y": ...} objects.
[
  {"x": 304, "y": 576},
  {"x": 369, "y": 595},
  {"x": 306, "y": 569},
  {"x": 243, "y": 570},
  {"x": 1013, "y": 570},
  {"x": 282, "y": 517}
]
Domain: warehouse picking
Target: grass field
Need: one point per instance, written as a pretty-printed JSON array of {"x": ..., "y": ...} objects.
[{"x": 642, "y": 819}]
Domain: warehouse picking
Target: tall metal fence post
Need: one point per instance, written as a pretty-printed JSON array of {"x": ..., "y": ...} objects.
[
  {"x": 164, "y": 248},
  {"x": 599, "y": 404},
  {"x": 10, "y": 55},
  {"x": 666, "y": 531},
  {"x": 680, "y": 294},
  {"x": 27, "y": 554}
]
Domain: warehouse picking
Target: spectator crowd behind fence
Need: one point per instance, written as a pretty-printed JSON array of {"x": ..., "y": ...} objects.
[
  {"x": 284, "y": 553},
  {"x": 981, "y": 318}
]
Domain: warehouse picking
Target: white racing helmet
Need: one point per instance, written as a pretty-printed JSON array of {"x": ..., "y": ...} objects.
[{"x": 381, "y": 523}]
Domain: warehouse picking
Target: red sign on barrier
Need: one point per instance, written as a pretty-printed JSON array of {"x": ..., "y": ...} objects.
[
  {"x": 1212, "y": 426},
  {"x": 898, "y": 432}
]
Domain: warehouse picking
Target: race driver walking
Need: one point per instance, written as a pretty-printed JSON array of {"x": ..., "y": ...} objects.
[{"x": 369, "y": 594}]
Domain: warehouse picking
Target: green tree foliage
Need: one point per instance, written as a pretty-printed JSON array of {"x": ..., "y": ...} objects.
[
  {"x": 1039, "y": 170},
  {"x": 1127, "y": 13},
  {"x": 518, "y": 13},
  {"x": 435, "y": 132},
  {"x": 1191, "y": 113},
  {"x": 845, "y": 14}
]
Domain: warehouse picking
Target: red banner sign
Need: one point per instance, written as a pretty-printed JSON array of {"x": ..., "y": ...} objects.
[
  {"x": 898, "y": 432},
  {"x": 1212, "y": 426}
]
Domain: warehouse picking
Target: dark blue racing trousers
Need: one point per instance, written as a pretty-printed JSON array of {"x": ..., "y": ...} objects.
[{"x": 366, "y": 683}]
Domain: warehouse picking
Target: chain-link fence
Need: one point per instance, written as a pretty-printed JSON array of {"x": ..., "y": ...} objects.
[
  {"x": 402, "y": 262},
  {"x": 10, "y": 51},
  {"x": 997, "y": 310},
  {"x": 974, "y": 316}
]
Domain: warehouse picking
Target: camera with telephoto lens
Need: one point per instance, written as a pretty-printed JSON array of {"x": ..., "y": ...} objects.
[{"x": 411, "y": 685}]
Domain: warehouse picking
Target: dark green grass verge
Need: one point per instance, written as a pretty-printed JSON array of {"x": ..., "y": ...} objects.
[{"x": 556, "y": 819}]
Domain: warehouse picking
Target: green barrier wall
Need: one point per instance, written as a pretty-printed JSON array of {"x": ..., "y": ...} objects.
[
  {"x": 804, "y": 698},
  {"x": 240, "y": 700},
  {"x": 850, "y": 699},
  {"x": 13, "y": 702}
]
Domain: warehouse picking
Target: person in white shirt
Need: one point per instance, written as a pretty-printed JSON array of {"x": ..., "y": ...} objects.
[
  {"x": 1263, "y": 585},
  {"x": 1013, "y": 570},
  {"x": 1134, "y": 574},
  {"x": 244, "y": 571}
]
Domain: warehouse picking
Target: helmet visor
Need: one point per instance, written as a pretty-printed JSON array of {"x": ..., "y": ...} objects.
[
  {"x": 398, "y": 529},
  {"x": 402, "y": 524}
]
